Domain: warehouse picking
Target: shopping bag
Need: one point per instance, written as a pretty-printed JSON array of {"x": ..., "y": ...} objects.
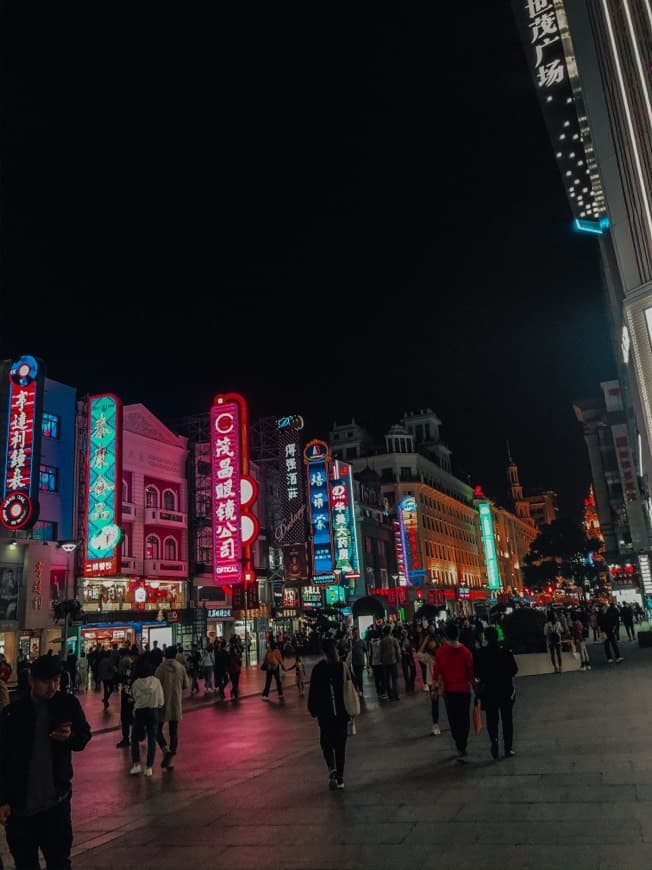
[{"x": 477, "y": 718}]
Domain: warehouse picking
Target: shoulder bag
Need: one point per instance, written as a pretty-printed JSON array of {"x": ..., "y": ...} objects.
[{"x": 351, "y": 697}]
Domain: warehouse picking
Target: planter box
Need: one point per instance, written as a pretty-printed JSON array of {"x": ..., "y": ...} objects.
[
  {"x": 530, "y": 664},
  {"x": 644, "y": 638}
]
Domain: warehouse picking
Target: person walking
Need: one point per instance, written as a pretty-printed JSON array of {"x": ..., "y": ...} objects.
[
  {"x": 453, "y": 670},
  {"x": 272, "y": 663},
  {"x": 235, "y": 668},
  {"x": 595, "y": 625},
  {"x": 326, "y": 704},
  {"x": 390, "y": 656},
  {"x": 220, "y": 667},
  {"x": 552, "y": 632},
  {"x": 496, "y": 669},
  {"x": 82, "y": 672},
  {"x": 299, "y": 673},
  {"x": 206, "y": 664},
  {"x": 609, "y": 620},
  {"x": 407, "y": 661},
  {"x": 377, "y": 666},
  {"x": 194, "y": 665},
  {"x": 358, "y": 650},
  {"x": 126, "y": 664},
  {"x": 627, "y": 615},
  {"x": 429, "y": 651},
  {"x": 148, "y": 698},
  {"x": 580, "y": 645},
  {"x": 38, "y": 733},
  {"x": 174, "y": 680},
  {"x": 425, "y": 656},
  {"x": 106, "y": 671}
]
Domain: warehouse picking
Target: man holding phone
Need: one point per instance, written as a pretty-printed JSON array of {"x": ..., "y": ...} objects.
[{"x": 37, "y": 735}]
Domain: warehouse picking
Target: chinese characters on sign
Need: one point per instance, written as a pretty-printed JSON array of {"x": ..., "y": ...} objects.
[
  {"x": 316, "y": 455},
  {"x": 407, "y": 516},
  {"x": 489, "y": 545},
  {"x": 400, "y": 560},
  {"x": 545, "y": 39},
  {"x": 345, "y": 541},
  {"x": 292, "y": 526},
  {"x": 103, "y": 534},
  {"x": 233, "y": 491},
  {"x": 37, "y": 586},
  {"x": 19, "y": 507}
]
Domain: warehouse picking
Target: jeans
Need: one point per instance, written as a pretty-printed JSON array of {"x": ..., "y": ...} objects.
[
  {"x": 145, "y": 724},
  {"x": 457, "y": 709},
  {"x": 391, "y": 680},
  {"x": 235, "y": 684},
  {"x": 358, "y": 672},
  {"x": 629, "y": 628},
  {"x": 51, "y": 831},
  {"x": 555, "y": 651},
  {"x": 276, "y": 674},
  {"x": 173, "y": 730},
  {"x": 332, "y": 738},
  {"x": 126, "y": 714},
  {"x": 584, "y": 653},
  {"x": 379, "y": 679},
  {"x": 495, "y": 708},
  {"x": 611, "y": 642},
  {"x": 409, "y": 672},
  {"x": 434, "y": 706},
  {"x": 108, "y": 688},
  {"x": 221, "y": 679},
  {"x": 194, "y": 681},
  {"x": 208, "y": 678}
]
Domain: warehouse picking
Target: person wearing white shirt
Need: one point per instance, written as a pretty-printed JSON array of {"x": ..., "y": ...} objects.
[{"x": 147, "y": 693}]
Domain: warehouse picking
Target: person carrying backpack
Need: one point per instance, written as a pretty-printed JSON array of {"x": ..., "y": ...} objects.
[{"x": 552, "y": 631}]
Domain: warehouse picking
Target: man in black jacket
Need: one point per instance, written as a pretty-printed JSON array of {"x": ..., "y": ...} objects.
[
  {"x": 37, "y": 735},
  {"x": 495, "y": 670}
]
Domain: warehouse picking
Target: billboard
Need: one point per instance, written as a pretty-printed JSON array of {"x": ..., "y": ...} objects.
[
  {"x": 409, "y": 524},
  {"x": 292, "y": 527},
  {"x": 489, "y": 544},
  {"x": 233, "y": 491},
  {"x": 316, "y": 456},
  {"x": 20, "y": 486},
  {"x": 345, "y": 538},
  {"x": 295, "y": 564},
  {"x": 102, "y": 532}
]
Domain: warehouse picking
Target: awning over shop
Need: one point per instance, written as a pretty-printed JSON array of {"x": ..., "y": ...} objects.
[{"x": 369, "y": 605}]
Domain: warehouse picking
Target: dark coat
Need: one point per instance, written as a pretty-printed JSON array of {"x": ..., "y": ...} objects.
[
  {"x": 17, "y": 737},
  {"x": 495, "y": 669},
  {"x": 326, "y": 695}
]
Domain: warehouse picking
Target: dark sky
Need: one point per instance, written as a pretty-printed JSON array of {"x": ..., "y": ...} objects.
[{"x": 333, "y": 212}]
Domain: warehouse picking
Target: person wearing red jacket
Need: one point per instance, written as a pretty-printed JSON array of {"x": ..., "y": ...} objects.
[{"x": 452, "y": 670}]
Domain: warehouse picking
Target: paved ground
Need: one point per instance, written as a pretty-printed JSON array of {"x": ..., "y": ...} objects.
[{"x": 249, "y": 789}]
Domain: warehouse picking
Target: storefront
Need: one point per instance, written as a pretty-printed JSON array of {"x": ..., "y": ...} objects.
[
  {"x": 119, "y": 593},
  {"x": 219, "y": 623},
  {"x": 140, "y": 628}
]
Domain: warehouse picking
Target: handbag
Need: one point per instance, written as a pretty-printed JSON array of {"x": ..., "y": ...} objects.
[
  {"x": 477, "y": 718},
  {"x": 351, "y": 697}
]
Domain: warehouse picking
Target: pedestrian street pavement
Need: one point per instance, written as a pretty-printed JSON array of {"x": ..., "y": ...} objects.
[{"x": 249, "y": 789}]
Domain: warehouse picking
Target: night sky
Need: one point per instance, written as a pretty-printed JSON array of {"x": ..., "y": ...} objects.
[{"x": 335, "y": 212}]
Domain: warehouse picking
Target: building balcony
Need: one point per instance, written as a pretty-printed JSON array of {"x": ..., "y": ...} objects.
[
  {"x": 162, "y": 517},
  {"x": 128, "y": 510},
  {"x": 128, "y": 563},
  {"x": 165, "y": 568}
]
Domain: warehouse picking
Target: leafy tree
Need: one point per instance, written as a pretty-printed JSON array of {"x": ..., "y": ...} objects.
[{"x": 559, "y": 554}]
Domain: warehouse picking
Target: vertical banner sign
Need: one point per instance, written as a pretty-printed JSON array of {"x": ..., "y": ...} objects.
[
  {"x": 489, "y": 544},
  {"x": 316, "y": 456},
  {"x": 400, "y": 556},
  {"x": 292, "y": 528},
  {"x": 345, "y": 542},
  {"x": 20, "y": 487},
  {"x": 407, "y": 517},
  {"x": 102, "y": 532},
  {"x": 235, "y": 528}
]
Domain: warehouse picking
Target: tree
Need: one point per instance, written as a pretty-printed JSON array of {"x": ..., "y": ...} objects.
[{"x": 560, "y": 553}]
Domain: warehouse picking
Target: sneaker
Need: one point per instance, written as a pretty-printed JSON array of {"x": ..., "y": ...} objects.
[
  {"x": 510, "y": 754},
  {"x": 620, "y": 659},
  {"x": 147, "y": 771},
  {"x": 167, "y": 755},
  {"x": 122, "y": 744},
  {"x": 135, "y": 768},
  {"x": 339, "y": 782},
  {"x": 611, "y": 661},
  {"x": 332, "y": 779},
  {"x": 265, "y": 697},
  {"x": 170, "y": 764},
  {"x": 494, "y": 749},
  {"x": 588, "y": 667},
  {"x": 436, "y": 731}
]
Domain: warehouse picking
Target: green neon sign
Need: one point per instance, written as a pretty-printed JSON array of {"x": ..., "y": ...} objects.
[{"x": 489, "y": 545}]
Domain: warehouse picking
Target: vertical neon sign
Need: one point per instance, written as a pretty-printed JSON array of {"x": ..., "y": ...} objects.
[
  {"x": 316, "y": 456},
  {"x": 19, "y": 507},
  {"x": 235, "y": 528},
  {"x": 400, "y": 560},
  {"x": 489, "y": 545},
  {"x": 407, "y": 517},
  {"x": 103, "y": 534},
  {"x": 345, "y": 541}
]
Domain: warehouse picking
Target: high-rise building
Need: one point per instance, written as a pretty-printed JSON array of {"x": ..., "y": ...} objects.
[
  {"x": 538, "y": 507},
  {"x": 591, "y": 62}
]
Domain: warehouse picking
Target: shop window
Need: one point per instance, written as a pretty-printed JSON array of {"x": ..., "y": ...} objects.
[
  {"x": 48, "y": 478},
  {"x": 151, "y": 497},
  {"x": 50, "y": 424},
  {"x": 169, "y": 500},
  {"x": 170, "y": 548},
  {"x": 125, "y": 492},
  {"x": 125, "y": 546},
  {"x": 152, "y": 546}
]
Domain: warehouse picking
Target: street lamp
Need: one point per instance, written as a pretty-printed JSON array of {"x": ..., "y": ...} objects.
[{"x": 67, "y": 605}]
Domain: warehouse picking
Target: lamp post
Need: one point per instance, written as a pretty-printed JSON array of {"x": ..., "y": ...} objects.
[{"x": 69, "y": 548}]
